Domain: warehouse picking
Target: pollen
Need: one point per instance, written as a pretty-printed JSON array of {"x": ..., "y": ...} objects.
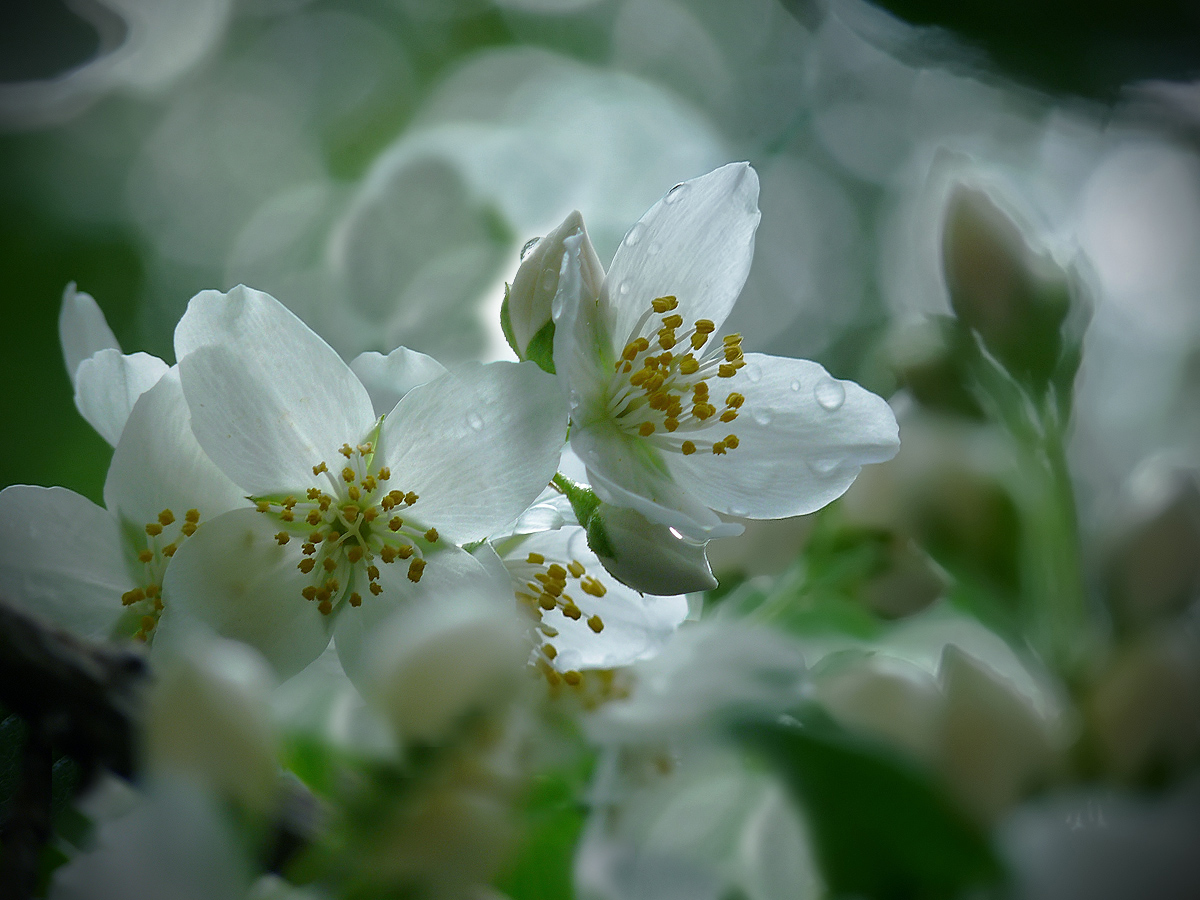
[
  {"x": 319, "y": 468},
  {"x": 536, "y": 558},
  {"x": 415, "y": 569},
  {"x": 347, "y": 474},
  {"x": 664, "y": 304},
  {"x": 688, "y": 448},
  {"x": 166, "y": 517},
  {"x": 646, "y": 429},
  {"x": 192, "y": 516},
  {"x": 146, "y": 556},
  {"x": 282, "y": 538},
  {"x": 384, "y": 473},
  {"x": 596, "y": 624},
  {"x": 593, "y": 587},
  {"x": 356, "y": 599},
  {"x": 154, "y": 529},
  {"x": 431, "y": 535},
  {"x": 575, "y": 567}
]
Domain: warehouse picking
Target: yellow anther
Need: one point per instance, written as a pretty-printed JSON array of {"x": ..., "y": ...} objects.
[
  {"x": 145, "y": 556},
  {"x": 347, "y": 474},
  {"x": 331, "y": 585},
  {"x": 396, "y": 523},
  {"x": 411, "y": 497},
  {"x": 287, "y": 515},
  {"x": 654, "y": 382},
  {"x": 319, "y": 468},
  {"x": 404, "y": 552},
  {"x": 705, "y": 326},
  {"x": 325, "y": 607},
  {"x": 726, "y": 370},
  {"x": 536, "y": 558},
  {"x": 154, "y": 529},
  {"x": 312, "y": 493},
  {"x": 346, "y": 451},
  {"x": 550, "y": 650},
  {"x": 356, "y": 599},
  {"x": 733, "y": 354},
  {"x": 557, "y": 572},
  {"x": 735, "y": 400},
  {"x": 192, "y": 515},
  {"x": 699, "y": 340},
  {"x": 187, "y": 529},
  {"x": 306, "y": 565},
  {"x": 703, "y": 411},
  {"x": 331, "y": 536},
  {"x": 323, "y": 594},
  {"x": 547, "y": 601},
  {"x": 670, "y": 423},
  {"x": 166, "y": 517},
  {"x": 376, "y": 588},
  {"x": 364, "y": 449},
  {"x": 575, "y": 567},
  {"x": 571, "y": 611},
  {"x": 688, "y": 365},
  {"x": 552, "y": 677},
  {"x": 729, "y": 415},
  {"x": 388, "y": 554},
  {"x": 354, "y": 493},
  {"x": 646, "y": 429},
  {"x": 596, "y": 624},
  {"x": 732, "y": 340},
  {"x": 309, "y": 593},
  {"x": 700, "y": 391},
  {"x": 688, "y": 448},
  {"x": 324, "y": 502},
  {"x": 308, "y": 549},
  {"x": 547, "y": 630},
  {"x": 369, "y": 484},
  {"x": 553, "y": 588},
  {"x": 573, "y": 678},
  {"x": 664, "y": 304},
  {"x": 262, "y": 506},
  {"x": 131, "y": 597},
  {"x": 415, "y": 568},
  {"x": 431, "y": 535},
  {"x": 313, "y": 517},
  {"x": 666, "y": 338},
  {"x": 630, "y": 352},
  {"x": 370, "y": 513},
  {"x": 329, "y": 564},
  {"x": 354, "y": 554},
  {"x": 153, "y": 590},
  {"x": 384, "y": 473},
  {"x": 719, "y": 448},
  {"x": 731, "y": 441},
  {"x": 148, "y": 623},
  {"x": 169, "y": 550},
  {"x": 397, "y": 497},
  {"x": 372, "y": 572},
  {"x": 289, "y": 503},
  {"x": 592, "y": 586},
  {"x": 350, "y": 512},
  {"x": 638, "y": 378},
  {"x": 672, "y": 321}
]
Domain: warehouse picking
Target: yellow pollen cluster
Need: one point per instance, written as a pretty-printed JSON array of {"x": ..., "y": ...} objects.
[
  {"x": 155, "y": 558},
  {"x": 347, "y": 525},
  {"x": 661, "y": 394},
  {"x": 541, "y": 587}
]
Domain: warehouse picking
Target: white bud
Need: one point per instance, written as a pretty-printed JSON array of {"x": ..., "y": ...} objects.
[{"x": 651, "y": 558}]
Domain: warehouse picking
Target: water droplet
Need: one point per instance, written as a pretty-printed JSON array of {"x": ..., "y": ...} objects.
[
  {"x": 823, "y": 466},
  {"x": 830, "y": 394},
  {"x": 675, "y": 193},
  {"x": 795, "y": 385},
  {"x": 738, "y": 510},
  {"x": 623, "y": 288},
  {"x": 634, "y": 235},
  {"x": 762, "y": 416},
  {"x": 753, "y": 372},
  {"x": 549, "y": 280},
  {"x": 529, "y": 245},
  {"x": 474, "y": 420},
  {"x": 653, "y": 248}
]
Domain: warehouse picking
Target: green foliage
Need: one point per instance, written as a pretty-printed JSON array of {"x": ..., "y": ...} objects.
[
  {"x": 541, "y": 348},
  {"x": 881, "y": 829}
]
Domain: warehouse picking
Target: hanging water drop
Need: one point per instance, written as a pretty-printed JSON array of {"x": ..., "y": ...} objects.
[
  {"x": 675, "y": 193},
  {"x": 634, "y": 235},
  {"x": 475, "y": 421},
  {"x": 823, "y": 466},
  {"x": 753, "y": 372},
  {"x": 529, "y": 245},
  {"x": 549, "y": 279},
  {"x": 623, "y": 288},
  {"x": 795, "y": 385},
  {"x": 762, "y": 416},
  {"x": 738, "y": 510},
  {"x": 830, "y": 394}
]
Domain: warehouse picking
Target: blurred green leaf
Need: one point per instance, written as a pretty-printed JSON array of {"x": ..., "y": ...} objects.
[{"x": 880, "y": 827}]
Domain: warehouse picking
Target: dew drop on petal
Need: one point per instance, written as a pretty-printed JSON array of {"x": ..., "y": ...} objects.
[
  {"x": 623, "y": 288},
  {"x": 548, "y": 279},
  {"x": 753, "y": 372},
  {"x": 823, "y": 466},
  {"x": 795, "y": 385},
  {"x": 738, "y": 510},
  {"x": 474, "y": 420},
  {"x": 830, "y": 394},
  {"x": 675, "y": 193},
  {"x": 634, "y": 235},
  {"x": 762, "y": 416},
  {"x": 653, "y": 248},
  {"x": 529, "y": 245}
]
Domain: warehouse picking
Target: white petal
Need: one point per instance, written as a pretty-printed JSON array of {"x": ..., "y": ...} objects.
[
  {"x": 635, "y": 627},
  {"x": 388, "y": 378},
  {"x": 269, "y": 399},
  {"x": 61, "y": 558},
  {"x": 655, "y": 559},
  {"x": 696, "y": 243},
  {"x": 625, "y": 471},
  {"x": 158, "y": 465},
  {"x": 803, "y": 437},
  {"x": 533, "y": 288},
  {"x": 108, "y": 384},
  {"x": 82, "y": 329},
  {"x": 581, "y": 345},
  {"x": 476, "y": 445},
  {"x": 231, "y": 577},
  {"x": 448, "y": 573}
]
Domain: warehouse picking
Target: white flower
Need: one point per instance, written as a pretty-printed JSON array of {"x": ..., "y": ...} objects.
[
  {"x": 586, "y": 620},
  {"x": 99, "y": 572},
  {"x": 351, "y": 505},
  {"x": 671, "y": 420}
]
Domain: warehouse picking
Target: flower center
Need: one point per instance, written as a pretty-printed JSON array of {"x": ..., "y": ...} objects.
[
  {"x": 664, "y": 395},
  {"x": 160, "y": 547},
  {"x": 540, "y": 587},
  {"x": 347, "y": 523}
]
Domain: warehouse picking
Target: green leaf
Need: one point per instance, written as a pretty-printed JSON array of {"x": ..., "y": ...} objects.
[
  {"x": 506, "y": 323},
  {"x": 881, "y": 829},
  {"x": 541, "y": 348}
]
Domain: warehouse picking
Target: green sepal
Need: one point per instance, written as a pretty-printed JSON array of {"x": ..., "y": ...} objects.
[
  {"x": 585, "y": 504},
  {"x": 506, "y": 323},
  {"x": 541, "y": 348}
]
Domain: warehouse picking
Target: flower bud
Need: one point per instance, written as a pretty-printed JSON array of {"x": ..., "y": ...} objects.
[{"x": 651, "y": 558}]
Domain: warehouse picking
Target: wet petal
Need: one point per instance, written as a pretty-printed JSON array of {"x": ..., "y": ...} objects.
[
  {"x": 581, "y": 345},
  {"x": 231, "y": 577},
  {"x": 654, "y": 559},
  {"x": 696, "y": 244},
  {"x": 109, "y": 383},
  {"x": 388, "y": 378},
  {"x": 802, "y": 439},
  {"x": 476, "y": 445},
  {"x": 269, "y": 399},
  {"x": 61, "y": 558},
  {"x": 82, "y": 329}
]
